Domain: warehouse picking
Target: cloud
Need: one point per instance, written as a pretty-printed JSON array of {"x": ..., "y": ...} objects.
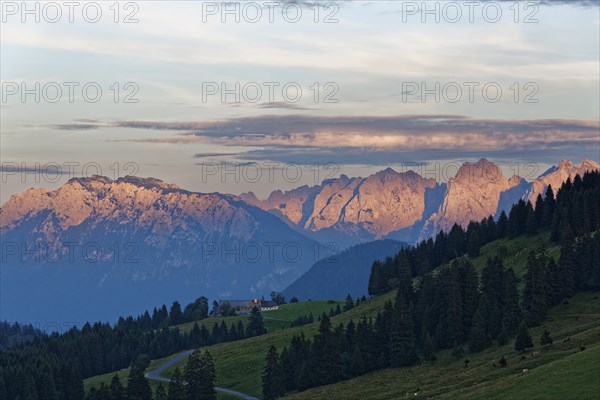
[
  {"x": 585, "y": 3},
  {"x": 40, "y": 168},
  {"x": 284, "y": 105},
  {"x": 75, "y": 127},
  {"x": 396, "y": 132},
  {"x": 373, "y": 139},
  {"x": 208, "y": 155}
]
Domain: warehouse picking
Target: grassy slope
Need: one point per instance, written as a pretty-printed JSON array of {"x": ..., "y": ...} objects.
[
  {"x": 124, "y": 373},
  {"x": 560, "y": 372},
  {"x": 514, "y": 252},
  {"x": 274, "y": 320},
  {"x": 239, "y": 364}
]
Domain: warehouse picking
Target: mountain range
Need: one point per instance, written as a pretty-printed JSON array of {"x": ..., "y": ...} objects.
[
  {"x": 404, "y": 205},
  {"x": 97, "y": 245}
]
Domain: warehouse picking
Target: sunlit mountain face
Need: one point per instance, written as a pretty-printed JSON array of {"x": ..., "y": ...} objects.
[
  {"x": 138, "y": 240},
  {"x": 299, "y": 199}
]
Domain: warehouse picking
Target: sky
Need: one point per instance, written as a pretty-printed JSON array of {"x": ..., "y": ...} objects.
[{"x": 253, "y": 96}]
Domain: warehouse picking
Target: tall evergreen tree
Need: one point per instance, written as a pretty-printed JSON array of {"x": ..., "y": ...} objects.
[
  {"x": 200, "y": 377},
  {"x": 428, "y": 350},
  {"x": 474, "y": 244},
  {"x": 502, "y": 225},
  {"x": 536, "y": 292},
  {"x": 325, "y": 356},
  {"x": 539, "y": 210},
  {"x": 176, "y": 387},
  {"x": 567, "y": 270},
  {"x": 176, "y": 315},
  {"x": 549, "y": 207},
  {"x": 478, "y": 335},
  {"x": 455, "y": 330},
  {"x": 272, "y": 377},
  {"x": 138, "y": 387},
  {"x": 117, "y": 392},
  {"x": 523, "y": 340},
  {"x": 28, "y": 390},
  {"x": 160, "y": 393},
  {"x": 194, "y": 376},
  {"x": 492, "y": 290},
  {"x": 402, "y": 338},
  {"x": 531, "y": 224},
  {"x": 256, "y": 324},
  {"x": 349, "y": 303},
  {"x": 511, "y": 310}
]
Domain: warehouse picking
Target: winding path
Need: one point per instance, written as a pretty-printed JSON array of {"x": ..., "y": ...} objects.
[{"x": 155, "y": 374}]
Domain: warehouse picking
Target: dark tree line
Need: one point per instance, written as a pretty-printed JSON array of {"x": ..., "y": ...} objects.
[
  {"x": 572, "y": 213},
  {"x": 57, "y": 364},
  {"x": 342, "y": 352},
  {"x": 577, "y": 213},
  {"x": 196, "y": 383},
  {"x": 16, "y": 334},
  {"x": 453, "y": 306}
]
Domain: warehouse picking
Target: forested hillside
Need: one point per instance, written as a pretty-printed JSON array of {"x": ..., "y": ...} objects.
[
  {"x": 433, "y": 301},
  {"x": 450, "y": 305}
]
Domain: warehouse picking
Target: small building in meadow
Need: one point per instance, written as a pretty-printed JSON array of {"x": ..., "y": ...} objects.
[{"x": 245, "y": 306}]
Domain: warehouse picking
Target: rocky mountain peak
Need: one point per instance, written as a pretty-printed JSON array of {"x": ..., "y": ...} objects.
[
  {"x": 556, "y": 176},
  {"x": 472, "y": 194},
  {"x": 589, "y": 165},
  {"x": 515, "y": 180},
  {"x": 482, "y": 170},
  {"x": 565, "y": 164}
]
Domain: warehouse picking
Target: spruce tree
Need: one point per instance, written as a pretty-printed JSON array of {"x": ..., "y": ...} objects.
[
  {"x": 536, "y": 291},
  {"x": 549, "y": 207},
  {"x": 470, "y": 293},
  {"x": 117, "y": 392},
  {"x": 516, "y": 219},
  {"x": 455, "y": 330},
  {"x": 28, "y": 390},
  {"x": 272, "y": 377},
  {"x": 428, "y": 350},
  {"x": 502, "y": 362},
  {"x": 176, "y": 387},
  {"x": 209, "y": 376},
  {"x": 138, "y": 387},
  {"x": 256, "y": 325},
  {"x": 539, "y": 210},
  {"x": 567, "y": 267},
  {"x": 193, "y": 374},
  {"x": 502, "y": 337},
  {"x": 554, "y": 283},
  {"x": 502, "y": 225},
  {"x": 176, "y": 315},
  {"x": 492, "y": 290},
  {"x": 349, "y": 303},
  {"x": 478, "y": 335},
  {"x": 326, "y": 363},
  {"x": 200, "y": 377},
  {"x": 402, "y": 339},
  {"x": 160, "y": 393},
  {"x": 523, "y": 340},
  {"x": 474, "y": 244},
  {"x": 530, "y": 222},
  {"x": 3, "y": 389},
  {"x": 457, "y": 351},
  {"x": 546, "y": 339},
  {"x": 511, "y": 310}
]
